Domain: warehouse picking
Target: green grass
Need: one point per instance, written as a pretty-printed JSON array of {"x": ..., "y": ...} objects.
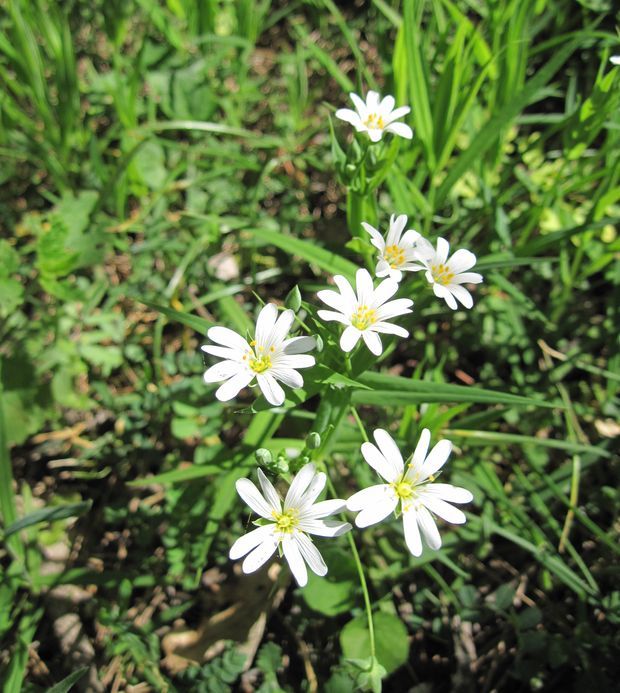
[{"x": 140, "y": 142}]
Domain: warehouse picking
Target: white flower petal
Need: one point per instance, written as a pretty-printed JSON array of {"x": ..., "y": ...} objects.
[
  {"x": 373, "y": 342},
  {"x": 428, "y": 527},
  {"x": 359, "y": 105},
  {"x": 324, "y": 528},
  {"x": 250, "y": 541},
  {"x": 377, "y": 238},
  {"x": 400, "y": 129},
  {"x": 295, "y": 560},
  {"x": 222, "y": 371},
  {"x": 365, "y": 290},
  {"x": 288, "y": 376},
  {"x": 325, "y": 508},
  {"x": 375, "y": 504},
  {"x": 419, "y": 455},
  {"x": 228, "y": 338},
  {"x": 311, "y": 554},
  {"x": 437, "y": 457},
  {"x": 334, "y": 300},
  {"x": 375, "y": 135},
  {"x": 261, "y": 554},
  {"x": 450, "y": 493},
  {"x": 390, "y": 451},
  {"x": 397, "y": 113},
  {"x": 412, "y": 532},
  {"x": 281, "y": 328},
  {"x": 253, "y": 497},
  {"x": 349, "y": 338},
  {"x": 397, "y": 224},
  {"x": 225, "y": 352},
  {"x": 388, "y": 328},
  {"x": 383, "y": 293},
  {"x": 293, "y": 361},
  {"x": 372, "y": 101},
  {"x": 331, "y": 316},
  {"x": 272, "y": 392},
  {"x": 443, "y": 248},
  {"x": 387, "y": 104},
  {"x": 387, "y": 468},
  {"x": 299, "y": 485},
  {"x": 379, "y": 493},
  {"x": 400, "y": 306},
  {"x": 346, "y": 290},
  {"x": 269, "y": 492},
  {"x": 443, "y": 510},
  {"x": 232, "y": 387},
  {"x": 461, "y": 261},
  {"x": 443, "y": 292},
  {"x": 409, "y": 238},
  {"x": 265, "y": 323},
  {"x": 461, "y": 293},
  {"x": 383, "y": 269},
  {"x": 348, "y": 116},
  {"x": 313, "y": 491},
  {"x": 298, "y": 345},
  {"x": 468, "y": 278}
]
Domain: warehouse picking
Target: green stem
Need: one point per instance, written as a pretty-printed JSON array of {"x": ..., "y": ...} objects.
[
  {"x": 359, "y": 423},
  {"x": 362, "y": 578}
]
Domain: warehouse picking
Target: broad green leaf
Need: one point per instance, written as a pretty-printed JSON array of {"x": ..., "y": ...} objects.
[
  {"x": 336, "y": 592},
  {"x": 391, "y": 640}
]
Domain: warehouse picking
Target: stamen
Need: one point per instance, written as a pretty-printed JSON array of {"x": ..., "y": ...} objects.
[
  {"x": 363, "y": 317},
  {"x": 374, "y": 122},
  {"x": 287, "y": 521},
  {"x": 394, "y": 255},
  {"x": 442, "y": 274}
]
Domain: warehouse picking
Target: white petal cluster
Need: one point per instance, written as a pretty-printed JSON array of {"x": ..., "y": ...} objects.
[
  {"x": 376, "y": 116},
  {"x": 366, "y": 312},
  {"x": 270, "y": 357},
  {"x": 397, "y": 250},
  {"x": 412, "y": 488},
  {"x": 615, "y": 59},
  {"x": 289, "y": 524},
  {"x": 447, "y": 275}
]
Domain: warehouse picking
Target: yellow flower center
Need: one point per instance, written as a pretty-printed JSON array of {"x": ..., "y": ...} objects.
[
  {"x": 287, "y": 521},
  {"x": 442, "y": 274},
  {"x": 403, "y": 489},
  {"x": 363, "y": 317},
  {"x": 374, "y": 122},
  {"x": 258, "y": 361},
  {"x": 394, "y": 255}
]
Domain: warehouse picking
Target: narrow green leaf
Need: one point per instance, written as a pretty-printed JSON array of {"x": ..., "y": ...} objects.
[
  {"x": 67, "y": 683},
  {"x": 398, "y": 391},
  {"x": 308, "y": 251},
  {"x": 489, "y": 133},
  {"x": 50, "y": 514},
  {"x": 194, "y": 321},
  {"x": 486, "y": 437}
]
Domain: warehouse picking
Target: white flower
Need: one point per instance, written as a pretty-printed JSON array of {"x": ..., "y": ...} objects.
[
  {"x": 365, "y": 314},
  {"x": 269, "y": 357},
  {"x": 289, "y": 525},
  {"x": 413, "y": 489},
  {"x": 396, "y": 252},
  {"x": 448, "y": 276},
  {"x": 615, "y": 59},
  {"x": 375, "y": 117}
]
